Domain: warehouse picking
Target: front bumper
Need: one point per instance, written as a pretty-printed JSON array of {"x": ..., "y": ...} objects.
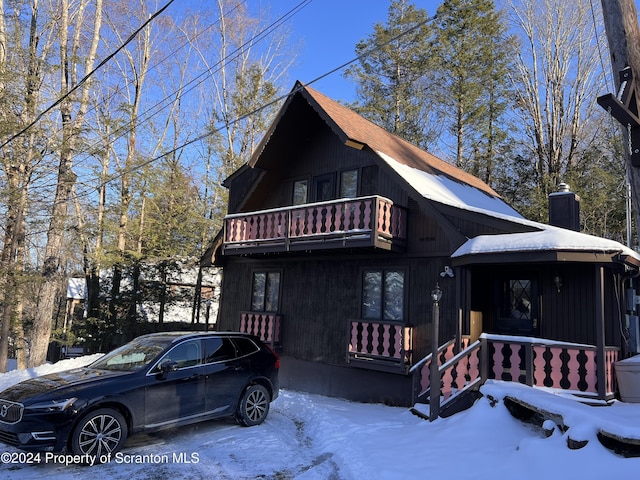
[{"x": 38, "y": 432}]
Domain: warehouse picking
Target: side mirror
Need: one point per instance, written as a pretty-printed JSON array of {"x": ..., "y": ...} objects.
[{"x": 167, "y": 366}]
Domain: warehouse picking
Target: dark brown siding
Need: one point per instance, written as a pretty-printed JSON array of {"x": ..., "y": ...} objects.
[
  {"x": 567, "y": 315},
  {"x": 319, "y": 297}
]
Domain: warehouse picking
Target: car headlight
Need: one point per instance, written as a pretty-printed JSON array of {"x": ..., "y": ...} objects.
[{"x": 52, "y": 405}]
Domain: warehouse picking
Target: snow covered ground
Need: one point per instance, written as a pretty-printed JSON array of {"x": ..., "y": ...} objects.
[{"x": 309, "y": 437}]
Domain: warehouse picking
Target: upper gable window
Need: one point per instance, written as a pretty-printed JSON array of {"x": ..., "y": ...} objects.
[
  {"x": 349, "y": 184},
  {"x": 300, "y": 188},
  {"x": 323, "y": 187}
]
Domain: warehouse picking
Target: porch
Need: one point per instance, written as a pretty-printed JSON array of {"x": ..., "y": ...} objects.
[
  {"x": 536, "y": 362},
  {"x": 346, "y": 223}
]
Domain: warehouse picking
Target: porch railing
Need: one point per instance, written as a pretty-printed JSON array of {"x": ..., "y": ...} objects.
[
  {"x": 265, "y": 326},
  {"x": 369, "y": 219},
  {"x": 382, "y": 345},
  {"x": 532, "y": 361}
]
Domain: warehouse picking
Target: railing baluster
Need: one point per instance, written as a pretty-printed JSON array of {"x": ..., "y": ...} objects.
[{"x": 556, "y": 367}]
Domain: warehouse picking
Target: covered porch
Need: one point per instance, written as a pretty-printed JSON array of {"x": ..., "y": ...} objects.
[{"x": 548, "y": 309}]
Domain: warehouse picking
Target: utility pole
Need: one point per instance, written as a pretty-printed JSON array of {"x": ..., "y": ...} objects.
[{"x": 623, "y": 35}]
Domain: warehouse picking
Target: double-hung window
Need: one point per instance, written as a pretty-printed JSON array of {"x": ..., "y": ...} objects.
[
  {"x": 383, "y": 295},
  {"x": 265, "y": 291}
]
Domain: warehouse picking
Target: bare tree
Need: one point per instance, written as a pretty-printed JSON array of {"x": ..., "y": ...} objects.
[
  {"x": 71, "y": 45},
  {"x": 22, "y": 73},
  {"x": 557, "y": 78},
  {"x": 244, "y": 77}
]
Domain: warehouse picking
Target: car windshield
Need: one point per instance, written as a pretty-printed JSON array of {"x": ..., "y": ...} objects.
[{"x": 132, "y": 356}]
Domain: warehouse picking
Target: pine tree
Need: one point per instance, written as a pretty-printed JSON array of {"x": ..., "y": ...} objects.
[
  {"x": 394, "y": 75},
  {"x": 471, "y": 50}
]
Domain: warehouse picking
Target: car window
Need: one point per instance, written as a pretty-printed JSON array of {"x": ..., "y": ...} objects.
[
  {"x": 219, "y": 350},
  {"x": 185, "y": 354},
  {"x": 132, "y": 356},
  {"x": 245, "y": 346}
]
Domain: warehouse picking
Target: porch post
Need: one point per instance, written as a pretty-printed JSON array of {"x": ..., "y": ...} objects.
[
  {"x": 460, "y": 312},
  {"x": 600, "y": 334},
  {"x": 434, "y": 371}
]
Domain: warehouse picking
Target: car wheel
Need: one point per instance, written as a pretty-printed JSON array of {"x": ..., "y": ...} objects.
[
  {"x": 100, "y": 432},
  {"x": 254, "y": 406}
]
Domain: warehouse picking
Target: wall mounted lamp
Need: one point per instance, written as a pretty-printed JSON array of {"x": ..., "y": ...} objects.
[{"x": 557, "y": 281}]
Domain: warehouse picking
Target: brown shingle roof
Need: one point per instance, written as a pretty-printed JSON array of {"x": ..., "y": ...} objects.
[{"x": 357, "y": 128}]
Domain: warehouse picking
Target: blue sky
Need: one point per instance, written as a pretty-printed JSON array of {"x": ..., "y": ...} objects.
[{"x": 327, "y": 31}]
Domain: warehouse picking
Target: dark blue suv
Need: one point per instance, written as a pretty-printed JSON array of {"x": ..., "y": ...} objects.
[{"x": 156, "y": 381}]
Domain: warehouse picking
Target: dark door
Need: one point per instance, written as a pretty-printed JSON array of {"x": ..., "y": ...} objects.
[
  {"x": 177, "y": 393},
  {"x": 323, "y": 188},
  {"x": 519, "y": 306}
]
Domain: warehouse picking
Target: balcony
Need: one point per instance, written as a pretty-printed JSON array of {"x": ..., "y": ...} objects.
[
  {"x": 265, "y": 326},
  {"x": 346, "y": 223},
  {"x": 379, "y": 345}
]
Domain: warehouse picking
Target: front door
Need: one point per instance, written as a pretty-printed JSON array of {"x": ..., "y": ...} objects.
[{"x": 518, "y": 306}]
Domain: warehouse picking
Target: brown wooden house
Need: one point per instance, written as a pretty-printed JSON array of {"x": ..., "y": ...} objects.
[{"x": 337, "y": 233}]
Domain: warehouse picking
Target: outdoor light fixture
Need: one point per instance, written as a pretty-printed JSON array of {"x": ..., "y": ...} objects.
[
  {"x": 436, "y": 293},
  {"x": 557, "y": 280}
]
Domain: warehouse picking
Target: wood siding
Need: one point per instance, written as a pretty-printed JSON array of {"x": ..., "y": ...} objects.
[
  {"x": 567, "y": 315},
  {"x": 320, "y": 296}
]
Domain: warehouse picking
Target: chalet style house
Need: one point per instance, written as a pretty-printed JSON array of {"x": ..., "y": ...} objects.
[{"x": 348, "y": 249}]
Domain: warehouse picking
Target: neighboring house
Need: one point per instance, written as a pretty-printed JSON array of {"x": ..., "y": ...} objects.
[
  {"x": 337, "y": 233},
  {"x": 173, "y": 294}
]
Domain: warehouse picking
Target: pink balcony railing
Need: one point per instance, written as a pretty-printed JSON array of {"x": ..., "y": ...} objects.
[
  {"x": 265, "y": 326},
  {"x": 366, "y": 221},
  {"x": 381, "y": 343}
]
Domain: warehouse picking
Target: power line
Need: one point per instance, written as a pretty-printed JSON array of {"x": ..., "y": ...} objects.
[
  {"x": 164, "y": 103},
  {"x": 87, "y": 76},
  {"x": 279, "y": 99}
]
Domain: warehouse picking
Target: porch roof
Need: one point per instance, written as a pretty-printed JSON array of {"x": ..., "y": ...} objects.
[{"x": 549, "y": 243}]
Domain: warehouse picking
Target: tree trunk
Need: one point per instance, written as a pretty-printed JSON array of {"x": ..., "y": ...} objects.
[{"x": 42, "y": 322}]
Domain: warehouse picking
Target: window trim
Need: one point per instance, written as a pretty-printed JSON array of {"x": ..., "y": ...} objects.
[
  {"x": 293, "y": 190},
  {"x": 326, "y": 177}
]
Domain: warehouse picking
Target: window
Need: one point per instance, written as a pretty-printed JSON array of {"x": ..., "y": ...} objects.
[
  {"x": 265, "y": 292},
  {"x": 219, "y": 350},
  {"x": 186, "y": 354},
  {"x": 383, "y": 295},
  {"x": 323, "y": 187},
  {"x": 349, "y": 184},
  {"x": 518, "y": 306},
  {"x": 300, "y": 188}
]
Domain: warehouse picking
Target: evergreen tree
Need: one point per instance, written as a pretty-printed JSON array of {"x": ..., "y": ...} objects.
[
  {"x": 394, "y": 75},
  {"x": 472, "y": 51}
]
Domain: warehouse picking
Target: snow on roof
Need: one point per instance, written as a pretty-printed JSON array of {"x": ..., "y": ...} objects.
[
  {"x": 445, "y": 190},
  {"x": 76, "y": 288},
  {"x": 549, "y": 238},
  {"x": 442, "y": 189}
]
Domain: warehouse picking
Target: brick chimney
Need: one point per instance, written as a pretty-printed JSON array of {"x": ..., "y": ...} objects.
[{"x": 564, "y": 208}]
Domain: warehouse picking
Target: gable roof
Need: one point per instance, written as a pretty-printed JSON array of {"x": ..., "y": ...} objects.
[
  {"x": 431, "y": 177},
  {"x": 439, "y": 181}
]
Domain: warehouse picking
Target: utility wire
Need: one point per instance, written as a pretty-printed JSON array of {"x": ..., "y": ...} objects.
[
  {"x": 166, "y": 102},
  {"x": 87, "y": 76},
  {"x": 271, "y": 103}
]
